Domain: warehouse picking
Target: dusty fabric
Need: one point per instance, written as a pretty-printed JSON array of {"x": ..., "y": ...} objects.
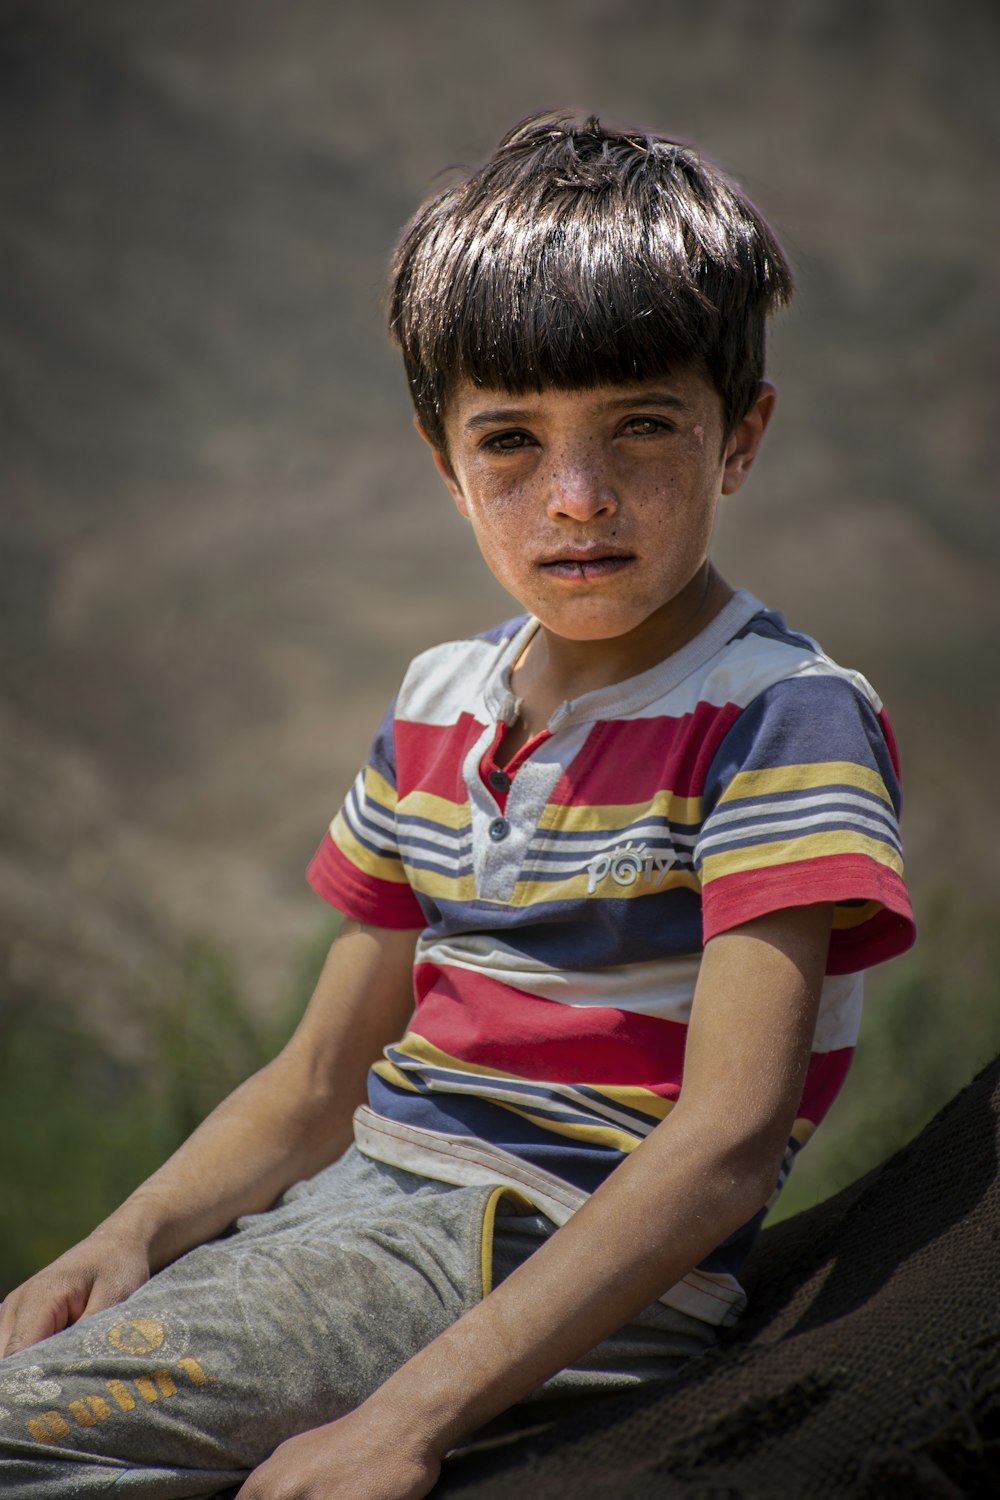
[
  {"x": 868, "y": 1366},
  {"x": 290, "y": 1321}
]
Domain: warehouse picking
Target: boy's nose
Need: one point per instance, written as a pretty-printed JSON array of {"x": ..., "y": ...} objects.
[{"x": 580, "y": 492}]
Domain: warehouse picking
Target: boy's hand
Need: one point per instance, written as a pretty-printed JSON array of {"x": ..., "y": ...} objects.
[
  {"x": 99, "y": 1272},
  {"x": 363, "y": 1456}
]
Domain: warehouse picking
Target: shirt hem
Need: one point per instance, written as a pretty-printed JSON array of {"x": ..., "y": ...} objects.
[{"x": 464, "y": 1161}]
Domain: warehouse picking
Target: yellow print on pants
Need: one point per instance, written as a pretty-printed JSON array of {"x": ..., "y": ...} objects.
[{"x": 52, "y": 1426}]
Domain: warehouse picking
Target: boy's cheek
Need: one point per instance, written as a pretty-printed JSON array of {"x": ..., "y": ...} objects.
[{"x": 500, "y": 514}]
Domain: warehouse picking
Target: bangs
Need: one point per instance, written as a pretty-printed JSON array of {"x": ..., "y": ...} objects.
[{"x": 560, "y": 301}]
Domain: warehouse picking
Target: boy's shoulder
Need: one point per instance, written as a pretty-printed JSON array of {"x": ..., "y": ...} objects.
[
  {"x": 449, "y": 678},
  {"x": 765, "y": 651},
  {"x": 747, "y": 650}
]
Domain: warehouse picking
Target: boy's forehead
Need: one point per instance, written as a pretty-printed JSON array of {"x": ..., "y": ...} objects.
[{"x": 472, "y": 406}]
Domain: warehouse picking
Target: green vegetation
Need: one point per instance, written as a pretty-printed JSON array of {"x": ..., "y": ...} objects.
[{"x": 81, "y": 1128}]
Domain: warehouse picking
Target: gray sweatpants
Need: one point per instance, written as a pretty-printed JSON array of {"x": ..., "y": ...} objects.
[{"x": 289, "y": 1321}]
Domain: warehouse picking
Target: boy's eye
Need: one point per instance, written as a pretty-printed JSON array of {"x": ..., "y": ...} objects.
[
  {"x": 507, "y": 442},
  {"x": 645, "y": 426}
]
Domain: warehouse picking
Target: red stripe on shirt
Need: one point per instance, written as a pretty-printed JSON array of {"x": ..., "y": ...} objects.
[
  {"x": 480, "y": 1020},
  {"x": 381, "y": 903},
  {"x": 429, "y": 757},
  {"x": 890, "y": 742},
  {"x": 732, "y": 899},
  {"x": 630, "y": 760},
  {"x": 824, "y": 1076}
]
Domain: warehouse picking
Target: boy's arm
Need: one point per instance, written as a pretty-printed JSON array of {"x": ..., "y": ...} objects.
[
  {"x": 283, "y": 1124},
  {"x": 703, "y": 1172}
]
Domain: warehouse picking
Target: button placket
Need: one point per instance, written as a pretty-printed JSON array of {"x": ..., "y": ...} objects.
[{"x": 499, "y": 859}]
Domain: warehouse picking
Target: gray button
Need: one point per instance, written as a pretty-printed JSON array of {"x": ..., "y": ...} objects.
[
  {"x": 499, "y": 780},
  {"x": 499, "y": 829}
]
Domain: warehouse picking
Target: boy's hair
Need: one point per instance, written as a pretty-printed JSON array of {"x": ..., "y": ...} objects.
[{"x": 579, "y": 256}]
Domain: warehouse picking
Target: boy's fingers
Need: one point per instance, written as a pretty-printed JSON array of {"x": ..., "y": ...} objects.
[
  {"x": 109, "y": 1293},
  {"x": 24, "y": 1327},
  {"x": 40, "y": 1322},
  {"x": 63, "y": 1294}
]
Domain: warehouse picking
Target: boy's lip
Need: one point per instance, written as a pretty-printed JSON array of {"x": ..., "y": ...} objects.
[{"x": 587, "y": 562}]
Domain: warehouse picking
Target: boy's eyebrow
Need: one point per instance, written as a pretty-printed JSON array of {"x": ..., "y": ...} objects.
[
  {"x": 521, "y": 413},
  {"x": 494, "y": 415}
]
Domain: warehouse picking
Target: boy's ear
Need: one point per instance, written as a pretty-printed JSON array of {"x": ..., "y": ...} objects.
[
  {"x": 443, "y": 465},
  {"x": 744, "y": 440}
]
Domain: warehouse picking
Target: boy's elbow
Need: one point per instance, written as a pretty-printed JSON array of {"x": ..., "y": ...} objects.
[
  {"x": 740, "y": 1162},
  {"x": 748, "y": 1168}
]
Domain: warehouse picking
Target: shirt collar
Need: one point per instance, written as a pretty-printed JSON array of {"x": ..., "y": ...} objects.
[{"x": 634, "y": 693}]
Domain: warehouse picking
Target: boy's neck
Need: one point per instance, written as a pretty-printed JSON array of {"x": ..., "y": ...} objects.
[{"x": 554, "y": 670}]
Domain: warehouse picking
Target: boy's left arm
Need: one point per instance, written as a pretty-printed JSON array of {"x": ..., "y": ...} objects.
[{"x": 703, "y": 1172}]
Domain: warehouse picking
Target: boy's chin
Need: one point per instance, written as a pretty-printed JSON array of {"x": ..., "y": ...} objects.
[{"x": 595, "y": 628}]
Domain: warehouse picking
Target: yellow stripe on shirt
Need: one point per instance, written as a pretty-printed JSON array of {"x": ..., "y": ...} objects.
[
  {"x": 434, "y": 809},
  {"x": 601, "y": 818},
  {"x": 379, "y": 866},
  {"x": 792, "y": 851},
  {"x": 821, "y": 775}
]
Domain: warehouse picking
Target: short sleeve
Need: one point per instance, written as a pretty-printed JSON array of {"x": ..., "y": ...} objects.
[
  {"x": 357, "y": 867},
  {"x": 802, "y": 804}
]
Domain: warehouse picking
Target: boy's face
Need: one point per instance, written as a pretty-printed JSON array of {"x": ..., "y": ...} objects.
[{"x": 594, "y": 508}]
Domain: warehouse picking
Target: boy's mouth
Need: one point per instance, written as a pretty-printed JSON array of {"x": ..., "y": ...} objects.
[{"x": 586, "y": 564}]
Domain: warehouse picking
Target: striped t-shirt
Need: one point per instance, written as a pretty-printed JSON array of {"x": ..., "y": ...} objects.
[{"x": 565, "y": 899}]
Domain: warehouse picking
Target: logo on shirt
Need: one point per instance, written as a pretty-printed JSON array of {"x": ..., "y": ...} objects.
[{"x": 629, "y": 865}]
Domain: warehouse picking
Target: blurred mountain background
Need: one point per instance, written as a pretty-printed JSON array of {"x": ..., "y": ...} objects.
[{"x": 221, "y": 541}]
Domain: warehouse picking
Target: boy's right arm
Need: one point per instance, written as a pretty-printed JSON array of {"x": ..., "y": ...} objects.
[{"x": 283, "y": 1124}]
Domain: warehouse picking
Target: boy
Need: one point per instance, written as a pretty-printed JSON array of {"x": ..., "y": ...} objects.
[{"x": 643, "y": 834}]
